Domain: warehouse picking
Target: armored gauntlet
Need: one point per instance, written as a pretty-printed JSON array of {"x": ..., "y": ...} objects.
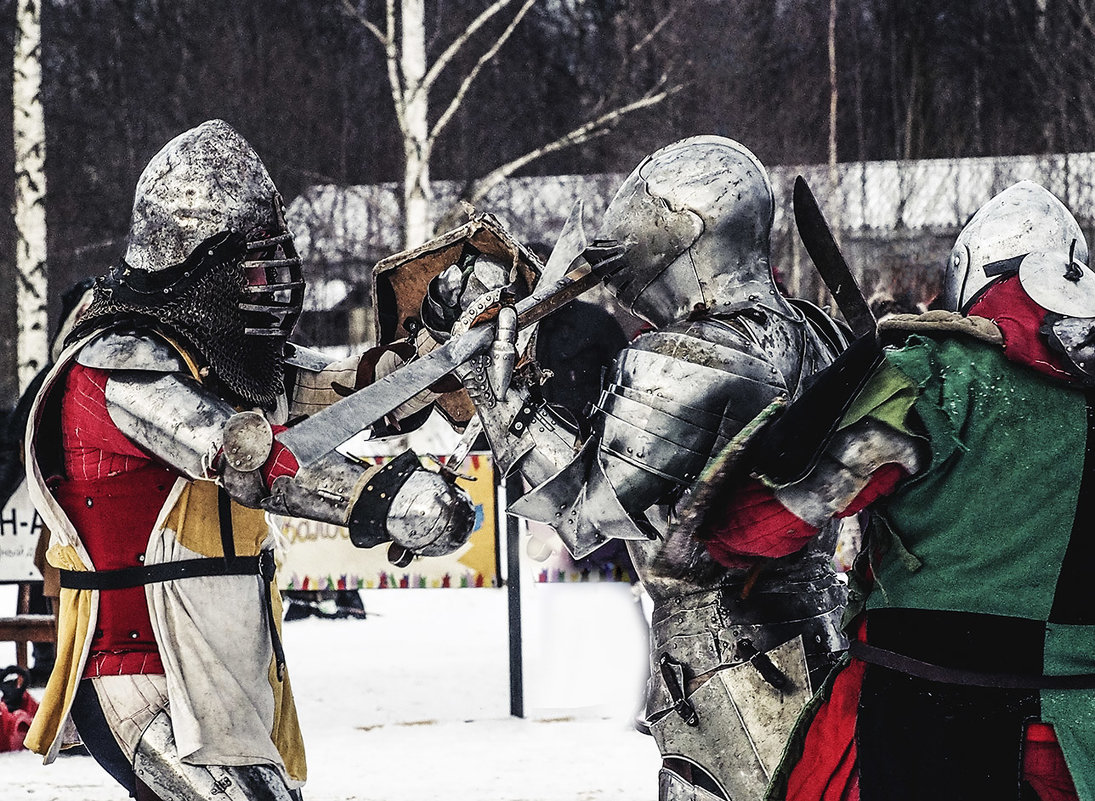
[{"x": 421, "y": 511}]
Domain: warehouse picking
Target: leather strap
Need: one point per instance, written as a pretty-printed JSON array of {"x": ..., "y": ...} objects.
[
  {"x": 970, "y": 678},
  {"x": 125, "y": 577}
]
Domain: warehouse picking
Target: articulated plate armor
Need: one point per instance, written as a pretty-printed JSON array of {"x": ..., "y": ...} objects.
[
  {"x": 734, "y": 656},
  {"x": 677, "y": 397},
  {"x": 706, "y": 623}
]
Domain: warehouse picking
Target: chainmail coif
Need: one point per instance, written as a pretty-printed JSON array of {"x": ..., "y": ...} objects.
[{"x": 202, "y": 310}]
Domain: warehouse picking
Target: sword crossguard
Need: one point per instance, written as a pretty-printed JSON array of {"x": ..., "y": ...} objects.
[{"x": 452, "y": 474}]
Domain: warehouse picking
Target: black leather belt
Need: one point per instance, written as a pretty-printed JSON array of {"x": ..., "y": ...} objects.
[
  {"x": 971, "y": 678},
  {"x": 229, "y": 565},
  {"x": 138, "y": 575}
]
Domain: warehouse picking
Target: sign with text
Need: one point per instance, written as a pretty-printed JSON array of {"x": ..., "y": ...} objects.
[
  {"x": 321, "y": 557},
  {"x": 20, "y": 527}
]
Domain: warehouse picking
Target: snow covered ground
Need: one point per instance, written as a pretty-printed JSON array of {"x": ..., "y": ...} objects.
[{"x": 413, "y": 702}]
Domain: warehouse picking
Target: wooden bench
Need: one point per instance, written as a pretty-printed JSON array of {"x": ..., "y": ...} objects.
[{"x": 24, "y": 627}]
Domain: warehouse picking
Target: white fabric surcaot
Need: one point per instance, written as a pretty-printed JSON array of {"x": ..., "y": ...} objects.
[{"x": 221, "y": 705}]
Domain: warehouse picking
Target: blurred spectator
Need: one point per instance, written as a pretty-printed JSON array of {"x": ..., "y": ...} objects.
[{"x": 577, "y": 343}]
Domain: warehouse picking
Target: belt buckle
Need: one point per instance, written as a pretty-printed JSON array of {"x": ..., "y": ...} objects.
[{"x": 267, "y": 567}]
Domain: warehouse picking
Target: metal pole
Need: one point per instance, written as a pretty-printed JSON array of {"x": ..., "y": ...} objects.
[{"x": 513, "y": 589}]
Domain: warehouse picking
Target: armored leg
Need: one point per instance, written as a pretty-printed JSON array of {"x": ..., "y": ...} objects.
[
  {"x": 158, "y": 766},
  {"x": 672, "y": 786},
  {"x": 733, "y": 726}
]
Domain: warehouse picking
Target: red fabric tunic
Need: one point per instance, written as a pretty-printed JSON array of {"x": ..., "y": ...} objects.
[{"x": 112, "y": 492}]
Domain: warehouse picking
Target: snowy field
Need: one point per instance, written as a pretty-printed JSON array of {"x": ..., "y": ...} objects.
[{"x": 413, "y": 703}]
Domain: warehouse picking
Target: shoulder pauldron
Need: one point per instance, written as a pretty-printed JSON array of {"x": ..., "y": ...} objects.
[{"x": 131, "y": 350}]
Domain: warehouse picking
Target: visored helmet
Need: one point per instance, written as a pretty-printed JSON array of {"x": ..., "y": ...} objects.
[
  {"x": 210, "y": 259},
  {"x": 209, "y": 182},
  {"x": 695, "y": 219},
  {"x": 1026, "y": 230}
]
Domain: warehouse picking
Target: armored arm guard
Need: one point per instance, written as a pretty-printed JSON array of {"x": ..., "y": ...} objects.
[
  {"x": 846, "y": 467},
  {"x": 570, "y": 493},
  {"x": 190, "y": 429},
  {"x": 675, "y": 398},
  {"x": 839, "y": 434},
  {"x": 153, "y": 401},
  {"x": 401, "y": 502},
  {"x": 313, "y": 377},
  {"x": 316, "y": 382},
  {"x": 523, "y": 431}
]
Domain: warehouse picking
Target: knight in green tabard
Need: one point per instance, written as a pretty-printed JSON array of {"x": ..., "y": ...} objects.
[{"x": 968, "y": 436}]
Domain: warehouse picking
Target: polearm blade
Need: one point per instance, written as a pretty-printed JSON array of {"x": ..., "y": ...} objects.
[
  {"x": 329, "y": 428},
  {"x": 824, "y": 252}
]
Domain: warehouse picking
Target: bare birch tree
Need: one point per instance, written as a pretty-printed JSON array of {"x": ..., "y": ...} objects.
[
  {"x": 833, "y": 87},
  {"x": 29, "y": 129},
  {"x": 411, "y": 79}
]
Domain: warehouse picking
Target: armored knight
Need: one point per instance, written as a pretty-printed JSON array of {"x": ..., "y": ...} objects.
[
  {"x": 969, "y": 436},
  {"x": 734, "y": 654},
  {"x": 153, "y": 454}
]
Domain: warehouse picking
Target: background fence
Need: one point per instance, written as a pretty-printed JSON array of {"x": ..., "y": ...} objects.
[{"x": 895, "y": 220}]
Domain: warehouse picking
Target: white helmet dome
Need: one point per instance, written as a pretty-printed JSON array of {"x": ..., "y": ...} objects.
[{"x": 1023, "y": 229}]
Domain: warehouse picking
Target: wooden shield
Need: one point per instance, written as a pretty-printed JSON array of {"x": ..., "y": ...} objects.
[{"x": 401, "y": 280}]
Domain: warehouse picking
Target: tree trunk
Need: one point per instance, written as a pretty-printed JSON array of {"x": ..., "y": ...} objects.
[
  {"x": 834, "y": 179},
  {"x": 29, "y": 129},
  {"x": 417, "y": 196}
]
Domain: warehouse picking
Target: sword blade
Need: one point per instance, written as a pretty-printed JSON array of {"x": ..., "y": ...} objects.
[
  {"x": 824, "y": 252},
  {"x": 332, "y": 427},
  {"x": 328, "y": 428}
]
